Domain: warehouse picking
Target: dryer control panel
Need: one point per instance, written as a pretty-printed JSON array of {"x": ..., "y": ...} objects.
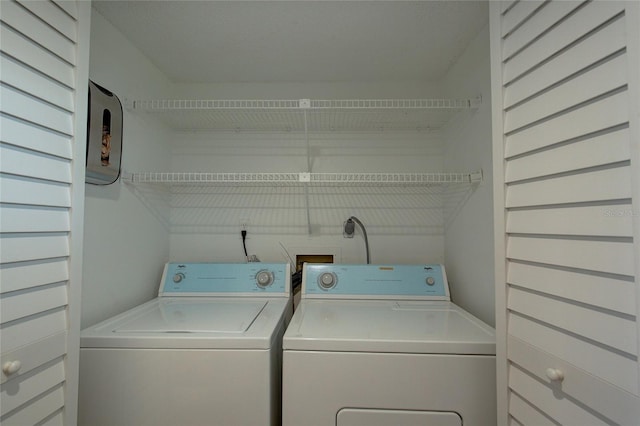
[
  {"x": 417, "y": 282},
  {"x": 214, "y": 279}
]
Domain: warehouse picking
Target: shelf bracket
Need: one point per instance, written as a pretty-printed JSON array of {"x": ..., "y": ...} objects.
[
  {"x": 126, "y": 177},
  {"x": 475, "y": 102},
  {"x": 476, "y": 177},
  {"x": 304, "y": 177},
  {"x": 128, "y": 104},
  {"x": 305, "y": 104}
]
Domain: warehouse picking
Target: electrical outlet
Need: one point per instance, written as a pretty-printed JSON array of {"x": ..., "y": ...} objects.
[
  {"x": 348, "y": 229},
  {"x": 244, "y": 222}
]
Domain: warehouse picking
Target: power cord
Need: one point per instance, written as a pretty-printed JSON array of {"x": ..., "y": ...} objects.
[
  {"x": 244, "y": 242},
  {"x": 349, "y": 230},
  {"x": 253, "y": 257}
]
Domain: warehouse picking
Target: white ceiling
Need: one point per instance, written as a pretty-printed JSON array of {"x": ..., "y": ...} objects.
[{"x": 298, "y": 41}]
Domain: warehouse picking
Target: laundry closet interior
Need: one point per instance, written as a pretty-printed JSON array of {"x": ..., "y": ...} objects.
[
  {"x": 284, "y": 119},
  {"x": 498, "y": 139}
]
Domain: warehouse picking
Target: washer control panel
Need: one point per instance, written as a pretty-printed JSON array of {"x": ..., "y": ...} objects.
[
  {"x": 375, "y": 281},
  {"x": 216, "y": 278}
]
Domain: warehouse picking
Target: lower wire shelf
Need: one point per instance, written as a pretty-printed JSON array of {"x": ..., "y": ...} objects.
[{"x": 288, "y": 203}]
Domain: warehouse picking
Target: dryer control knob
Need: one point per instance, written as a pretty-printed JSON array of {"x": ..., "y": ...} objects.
[
  {"x": 178, "y": 277},
  {"x": 431, "y": 281},
  {"x": 264, "y": 278},
  {"x": 327, "y": 280}
]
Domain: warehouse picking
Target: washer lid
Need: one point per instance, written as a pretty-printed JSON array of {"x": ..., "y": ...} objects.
[
  {"x": 192, "y": 316},
  {"x": 387, "y": 326},
  {"x": 196, "y": 322}
]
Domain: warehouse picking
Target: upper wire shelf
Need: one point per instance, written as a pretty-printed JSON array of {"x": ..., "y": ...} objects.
[
  {"x": 306, "y": 114},
  {"x": 289, "y": 179}
]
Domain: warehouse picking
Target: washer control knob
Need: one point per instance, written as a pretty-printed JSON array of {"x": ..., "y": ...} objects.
[
  {"x": 327, "y": 280},
  {"x": 178, "y": 277},
  {"x": 264, "y": 278},
  {"x": 431, "y": 281}
]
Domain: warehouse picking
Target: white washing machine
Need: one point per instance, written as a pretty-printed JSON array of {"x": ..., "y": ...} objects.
[
  {"x": 374, "y": 345},
  {"x": 206, "y": 351}
]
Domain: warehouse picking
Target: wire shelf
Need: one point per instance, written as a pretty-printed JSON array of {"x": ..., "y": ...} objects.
[
  {"x": 213, "y": 178},
  {"x": 203, "y": 104},
  {"x": 306, "y": 114},
  {"x": 290, "y": 104},
  {"x": 292, "y": 179},
  {"x": 400, "y": 179},
  {"x": 366, "y": 104},
  {"x": 296, "y": 201}
]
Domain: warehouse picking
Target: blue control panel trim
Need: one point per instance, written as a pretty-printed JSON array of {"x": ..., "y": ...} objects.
[
  {"x": 375, "y": 280},
  {"x": 225, "y": 278}
]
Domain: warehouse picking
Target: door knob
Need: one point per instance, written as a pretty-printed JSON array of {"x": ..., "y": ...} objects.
[
  {"x": 11, "y": 367},
  {"x": 555, "y": 374}
]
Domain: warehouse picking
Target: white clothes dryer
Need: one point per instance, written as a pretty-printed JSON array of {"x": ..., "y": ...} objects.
[
  {"x": 206, "y": 351},
  {"x": 383, "y": 345}
]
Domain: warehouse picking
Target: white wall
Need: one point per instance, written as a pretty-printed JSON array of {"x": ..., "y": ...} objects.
[
  {"x": 276, "y": 218},
  {"x": 399, "y": 232},
  {"x": 125, "y": 245},
  {"x": 399, "y": 229},
  {"x": 469, "y": 256},
  {"x": 125, "y": 237},
  {"x": 311, "y": 90},
  {"x": 404, "y": 225}
]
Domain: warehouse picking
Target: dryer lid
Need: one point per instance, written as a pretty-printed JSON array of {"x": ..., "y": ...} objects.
[{"x": 427, "y": 327}]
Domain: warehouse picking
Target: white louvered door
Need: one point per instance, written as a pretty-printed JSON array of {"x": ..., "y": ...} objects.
[
  {"x": 43, "y": 100},
  {"x": 565, "y": 77}
]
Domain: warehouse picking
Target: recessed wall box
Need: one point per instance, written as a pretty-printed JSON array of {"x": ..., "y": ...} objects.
[{"x": 104, "y": 136}]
